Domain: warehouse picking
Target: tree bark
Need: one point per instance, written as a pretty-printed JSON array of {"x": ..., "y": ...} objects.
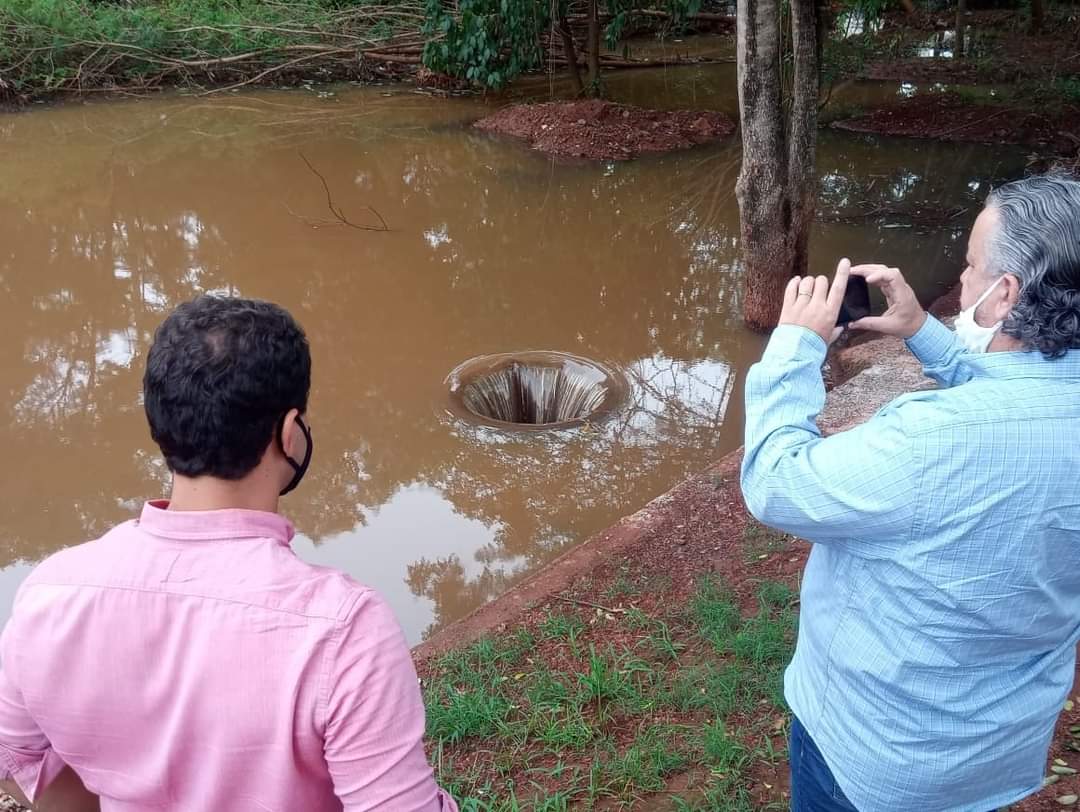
[
  {"x": 570, "y": 52},
  {"x": 961, "y": 19},
  {"x": 775, "y": 189},
  {"x": 1038, "y": 16},
  {"x": 593, "y": 77},
  {"x": 806, "y": 48}
]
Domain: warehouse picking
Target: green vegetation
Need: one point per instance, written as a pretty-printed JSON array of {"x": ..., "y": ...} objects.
[
  {"x": 760, "y": 541},
  {"x": 83, "y": 44},
  {"x": 491, "y": 42},
  {"x": 694, "y": 693}
]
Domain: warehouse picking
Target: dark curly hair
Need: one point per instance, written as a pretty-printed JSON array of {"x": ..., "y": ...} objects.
[
  {"x": 220, "y": 375},
  {"x": 1038, "y": 241}
]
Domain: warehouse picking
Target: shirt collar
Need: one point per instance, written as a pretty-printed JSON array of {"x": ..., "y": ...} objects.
[
  {"x": 213, "y": 525},
  {"x": 1032, "y": 364}
]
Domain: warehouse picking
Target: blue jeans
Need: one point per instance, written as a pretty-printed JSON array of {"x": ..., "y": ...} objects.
[{"x": 813, "y": 787}]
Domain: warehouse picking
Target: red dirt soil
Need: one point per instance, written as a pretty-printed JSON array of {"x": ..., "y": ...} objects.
[
  {"x": 947, "y": 117},
  {"x": 601, "y": 130}
]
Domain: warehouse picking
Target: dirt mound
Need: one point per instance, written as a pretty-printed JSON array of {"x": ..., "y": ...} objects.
[
  {"x": 947, "y": 117},
  {"x": 602, "y": 130}
]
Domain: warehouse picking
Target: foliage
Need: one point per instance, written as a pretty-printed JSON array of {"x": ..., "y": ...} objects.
[
  {"x": 492, "y": 42},
  {"x": 488, "y": 42},
  {"x": 54, "y": 44}
]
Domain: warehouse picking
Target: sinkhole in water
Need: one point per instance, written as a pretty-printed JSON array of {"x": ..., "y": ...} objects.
[{"x": 534, "y": 390}]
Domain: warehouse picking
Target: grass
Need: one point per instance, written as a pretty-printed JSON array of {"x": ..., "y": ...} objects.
[
  {"x": 584, "y": 722},
  {"x": 47, "y": 45},
  {"x": 759, "y": 541}
]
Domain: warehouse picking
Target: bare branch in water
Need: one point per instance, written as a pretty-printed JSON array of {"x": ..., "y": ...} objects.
[{"x": 339, "y": 216}]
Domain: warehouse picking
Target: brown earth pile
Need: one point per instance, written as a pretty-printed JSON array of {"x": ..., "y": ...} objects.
[
  {"x": 948, "y": 117},
  {"x": 601, "y": 130}
]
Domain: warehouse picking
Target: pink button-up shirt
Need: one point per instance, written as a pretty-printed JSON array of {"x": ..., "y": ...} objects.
[{"x": 190, "y": 661}]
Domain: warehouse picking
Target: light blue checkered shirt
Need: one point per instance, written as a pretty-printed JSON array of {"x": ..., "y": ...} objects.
[{"x": 941, "y": 601}]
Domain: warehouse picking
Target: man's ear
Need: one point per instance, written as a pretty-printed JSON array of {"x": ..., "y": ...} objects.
[
  {"x": 291, "y": 436},
  {"x": 1010, "y": 286}
]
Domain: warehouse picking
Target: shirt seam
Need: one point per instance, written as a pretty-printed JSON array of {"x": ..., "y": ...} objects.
[
  {"x": 996, "y": 420},
  {"x": 332, "y": 647},
  {"x": 171, "y": 593}
]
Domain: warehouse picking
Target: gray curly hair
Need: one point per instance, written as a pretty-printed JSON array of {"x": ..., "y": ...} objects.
[{"x": 1038, "y": 241}]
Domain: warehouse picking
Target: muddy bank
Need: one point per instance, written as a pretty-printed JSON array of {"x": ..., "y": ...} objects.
[
  {"x": 600, "y": 130},
  {"x": 999, "y": 48},
  {"x": 948, "y": 117}
]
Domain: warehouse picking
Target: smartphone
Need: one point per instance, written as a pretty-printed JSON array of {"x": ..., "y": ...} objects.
[{"x": 856, "y": 301}]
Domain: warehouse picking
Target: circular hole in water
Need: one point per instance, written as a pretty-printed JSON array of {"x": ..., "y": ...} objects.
[{"x": 534, "y": 390}]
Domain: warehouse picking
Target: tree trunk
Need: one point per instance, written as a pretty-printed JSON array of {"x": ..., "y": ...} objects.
[
  {"x": 961, "y": 20},
  {"x": 1038, "y": 15},
  {"x": 909, "y": 7},
  {"x": 807, "y": 48},
  {"x": 570, "y": 52},
  {"x": 593, "y": 78},
  {"x": 775, "y": 189}
]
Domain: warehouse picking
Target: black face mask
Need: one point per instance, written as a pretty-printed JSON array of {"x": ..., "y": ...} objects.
[{"x": 299, "y": 468}]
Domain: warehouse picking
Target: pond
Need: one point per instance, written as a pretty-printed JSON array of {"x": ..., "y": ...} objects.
[{"x": 113, "y": 212}]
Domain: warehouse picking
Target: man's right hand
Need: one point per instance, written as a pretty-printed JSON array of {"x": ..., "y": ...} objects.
[{"x": 905, "y": 316}]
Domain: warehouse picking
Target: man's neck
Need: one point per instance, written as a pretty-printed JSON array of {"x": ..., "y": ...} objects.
[
  {"x": 1004, "y": 343},
  {"x": 211, "y": 493}
]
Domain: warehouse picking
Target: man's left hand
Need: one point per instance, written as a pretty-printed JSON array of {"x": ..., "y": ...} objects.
[{"x": 809, "y": 302}]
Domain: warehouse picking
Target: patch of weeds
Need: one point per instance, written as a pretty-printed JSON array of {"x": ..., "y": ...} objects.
[
  {"x": 718, "y": 689},
  {"x": 765, "y": 644},
  {"x": 637, "y": 619},
  {"x": 532, "y": 712},
  {"x": 663, "y": 642},
  {"x": 715, "y": 614},
  {"x": 546, "y": 690},
  {"x": 646, "y": 763},
  {"x": 760, "y": 541},
  {"x": 557, "y": 802},
  {"x": 723, "y": 753},
  {"x": 615, "y": 682},
  {"x": 765, "y": 640},
  {"x": 453, "y": 714},
  {"x": 622, "y": 586},
  {"x": 561, "y": 728},
  {"x": 561, "y": 626},
  {"x": 776, "y": 594}
]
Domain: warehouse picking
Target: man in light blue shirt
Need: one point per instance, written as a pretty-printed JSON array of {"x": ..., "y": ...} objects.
[{"x": 941, "y": 600}]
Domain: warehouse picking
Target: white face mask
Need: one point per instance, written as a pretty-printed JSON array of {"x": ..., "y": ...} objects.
[{"x": 973, "y": 335}]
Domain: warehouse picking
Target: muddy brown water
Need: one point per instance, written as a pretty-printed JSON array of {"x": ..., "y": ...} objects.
[{"x": 113, "y": 212}]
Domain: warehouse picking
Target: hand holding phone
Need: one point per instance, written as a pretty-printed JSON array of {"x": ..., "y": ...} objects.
[
  {"x": 814, "y": 303},
  {"x": 856, "y": 304}
]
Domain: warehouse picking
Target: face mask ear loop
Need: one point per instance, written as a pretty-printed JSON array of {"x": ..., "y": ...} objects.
[
  {"x": 299, "y": 468},
  {"x": 986, "y": 293}
]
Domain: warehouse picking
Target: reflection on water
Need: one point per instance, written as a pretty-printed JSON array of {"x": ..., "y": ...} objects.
[{"x": 110, "y": 214}]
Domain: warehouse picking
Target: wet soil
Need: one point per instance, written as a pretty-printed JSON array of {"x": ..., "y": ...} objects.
[
  {"x": 949, "y": 117},
  {"x": 999, "y": 48},
  {"x": 601, "y": 130}
]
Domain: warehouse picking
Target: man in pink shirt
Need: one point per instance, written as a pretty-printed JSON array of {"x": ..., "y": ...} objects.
[{"x": 188, "y": 660}]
